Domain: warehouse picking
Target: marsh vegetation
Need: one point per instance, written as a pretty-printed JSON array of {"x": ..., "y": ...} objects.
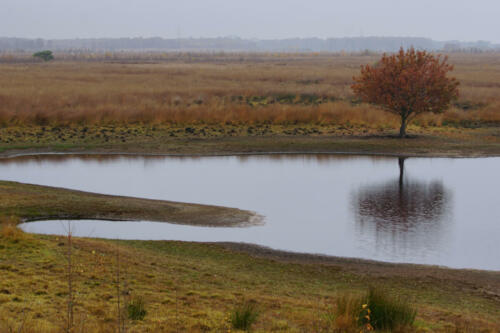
[{"x": 225, "y": 89}]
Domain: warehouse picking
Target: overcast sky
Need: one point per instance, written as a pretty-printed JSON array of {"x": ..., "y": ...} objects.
[{"x": 464, "y": 20}]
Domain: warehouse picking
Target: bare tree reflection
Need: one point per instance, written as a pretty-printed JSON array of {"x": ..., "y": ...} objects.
[{"x": 403, "y": 214}]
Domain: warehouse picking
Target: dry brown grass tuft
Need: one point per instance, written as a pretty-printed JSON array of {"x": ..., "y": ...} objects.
[
  {"x": 10, "y": 231},
  {"x": 348, "y": 309}
]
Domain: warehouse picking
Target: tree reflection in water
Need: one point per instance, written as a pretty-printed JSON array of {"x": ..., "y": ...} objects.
[{"x": 402, "y": 215}]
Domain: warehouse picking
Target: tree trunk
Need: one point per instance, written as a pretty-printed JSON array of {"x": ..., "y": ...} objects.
[{"x": 402, "y": 130}]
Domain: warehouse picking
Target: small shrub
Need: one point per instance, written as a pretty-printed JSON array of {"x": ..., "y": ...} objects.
[
  {"x": 136, "y": 309},
  {"x": 389, "y": 313},
  {"x": 244, "y": 316}
]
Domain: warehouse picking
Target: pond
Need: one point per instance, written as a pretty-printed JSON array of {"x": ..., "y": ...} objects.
[{"x": 417, "y": 210}]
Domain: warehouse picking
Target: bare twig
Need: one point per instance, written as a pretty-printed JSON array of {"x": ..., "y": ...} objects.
[
  {"x": 176, "y": 311},
  {"x": 70, "y": 280},
  {"x": 119, "y": 312}
]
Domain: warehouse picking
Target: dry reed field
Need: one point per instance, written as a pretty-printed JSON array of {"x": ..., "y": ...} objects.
[{"x": 238, "y": 89}]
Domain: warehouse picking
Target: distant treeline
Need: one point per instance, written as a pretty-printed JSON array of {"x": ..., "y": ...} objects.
[{"x": 230, "y": 44}]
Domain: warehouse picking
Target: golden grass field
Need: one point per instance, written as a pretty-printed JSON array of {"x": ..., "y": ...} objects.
[
  {"x": 230, "y": 103},
  {"x": 225, "y": 89}
]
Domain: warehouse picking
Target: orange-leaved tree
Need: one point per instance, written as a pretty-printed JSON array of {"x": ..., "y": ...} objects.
[{"x": 408, "y": 83}]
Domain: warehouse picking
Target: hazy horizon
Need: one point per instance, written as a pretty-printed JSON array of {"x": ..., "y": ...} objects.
[
  {"x": 281, "y": 19},
  {"x": 250, "y": 39}
]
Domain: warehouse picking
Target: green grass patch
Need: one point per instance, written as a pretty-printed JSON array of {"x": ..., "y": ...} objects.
[
  {"x": 386, "y": 312},
  {"x": 136, "y": 309},
  {"x": 244, "y": 316},
  {"x": 40, "y": 202}
]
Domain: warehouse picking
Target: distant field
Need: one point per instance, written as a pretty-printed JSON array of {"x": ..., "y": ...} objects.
[{"x": 213, "y": 89}]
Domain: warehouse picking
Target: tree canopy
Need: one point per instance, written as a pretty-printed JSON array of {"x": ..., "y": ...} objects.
[
  {"x": 408, "y": 83},
  {"x": 44, "y": 55}
]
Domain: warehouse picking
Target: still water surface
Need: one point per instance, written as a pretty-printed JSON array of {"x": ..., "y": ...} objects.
[{"x": 417, "y": 210}]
